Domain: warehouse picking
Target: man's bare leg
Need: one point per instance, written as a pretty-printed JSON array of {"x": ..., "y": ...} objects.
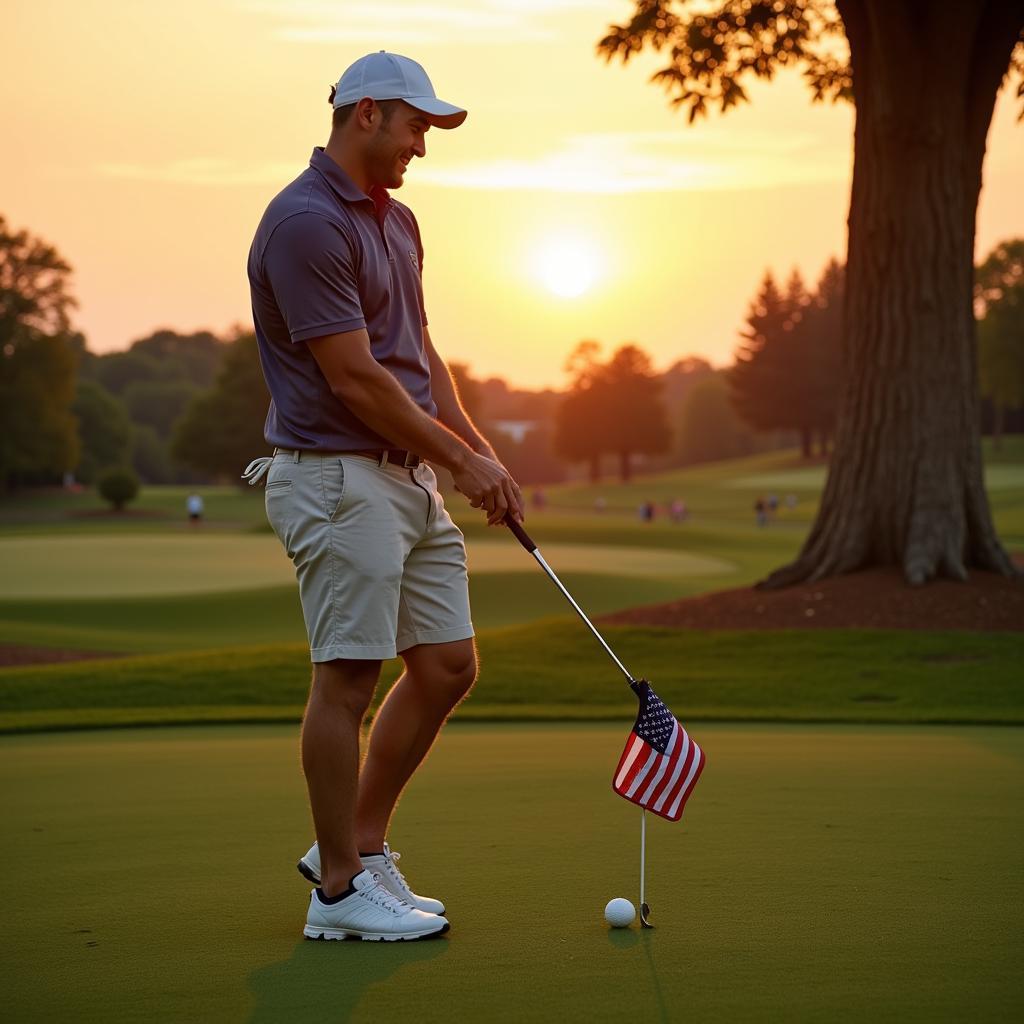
[
  {"x": 436, "y": 678},
  {"x": 338, "y": 699}
]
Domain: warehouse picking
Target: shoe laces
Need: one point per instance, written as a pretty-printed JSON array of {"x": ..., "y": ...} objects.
[
  {"x": 383, "y": 897},
  {"x": 392, "y": 864}
]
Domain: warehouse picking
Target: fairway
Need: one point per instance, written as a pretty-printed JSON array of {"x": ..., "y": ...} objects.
[
  {"x": 145, "y": 565},
  {"x": 820, "y": 873}
]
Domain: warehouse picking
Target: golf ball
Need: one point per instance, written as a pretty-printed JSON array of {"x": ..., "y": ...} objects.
[{"x": 619, "y": 913}]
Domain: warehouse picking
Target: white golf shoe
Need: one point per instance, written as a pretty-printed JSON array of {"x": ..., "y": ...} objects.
[
  {"x": 369, "y": 912},
  {"x": 386, "y": 865}
]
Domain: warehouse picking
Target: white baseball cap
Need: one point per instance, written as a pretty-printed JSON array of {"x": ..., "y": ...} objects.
[{"x": 389, "y": 76}]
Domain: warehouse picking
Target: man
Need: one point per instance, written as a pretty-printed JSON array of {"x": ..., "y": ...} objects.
[{"x": 360, "y": 398}]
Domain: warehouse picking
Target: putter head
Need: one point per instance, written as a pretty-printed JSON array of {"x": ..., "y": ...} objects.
[{"x": 644, "y": 912}]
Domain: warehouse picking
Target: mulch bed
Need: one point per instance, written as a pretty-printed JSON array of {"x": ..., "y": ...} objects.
[
  {"x": 875, "y": 599},
  {"x": 17, "y": 654}
]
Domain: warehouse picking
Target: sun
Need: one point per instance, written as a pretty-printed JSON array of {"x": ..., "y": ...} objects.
[{"x": 568, "y": 265}]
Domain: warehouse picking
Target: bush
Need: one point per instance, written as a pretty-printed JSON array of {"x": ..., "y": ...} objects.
[{"x": 118, "y": 486}]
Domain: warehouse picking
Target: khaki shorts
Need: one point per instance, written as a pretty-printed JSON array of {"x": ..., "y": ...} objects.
[{"x": 380, "y": 564}]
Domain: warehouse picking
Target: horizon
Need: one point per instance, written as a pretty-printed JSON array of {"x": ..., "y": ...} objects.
[{"x": 157, "y": 190}]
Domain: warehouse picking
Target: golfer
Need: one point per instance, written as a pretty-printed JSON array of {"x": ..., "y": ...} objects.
[{"x": 361, "y": 404}]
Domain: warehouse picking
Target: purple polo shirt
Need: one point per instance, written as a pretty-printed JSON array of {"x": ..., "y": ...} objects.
[{"x": 328, "y": 259}]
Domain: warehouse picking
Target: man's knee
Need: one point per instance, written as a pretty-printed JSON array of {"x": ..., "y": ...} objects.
[
  {"x": 345, "y": 684},
  {"x": 446, "y": 669}
]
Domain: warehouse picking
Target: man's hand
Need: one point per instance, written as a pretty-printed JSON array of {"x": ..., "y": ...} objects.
[{"x": 488, "y": 485}]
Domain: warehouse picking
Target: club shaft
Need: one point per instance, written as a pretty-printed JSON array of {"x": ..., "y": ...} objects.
[{"x": 579, "y": 611}]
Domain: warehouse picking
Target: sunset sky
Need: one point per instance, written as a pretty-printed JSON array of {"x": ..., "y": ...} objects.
[{"x": 144, "y": 141}]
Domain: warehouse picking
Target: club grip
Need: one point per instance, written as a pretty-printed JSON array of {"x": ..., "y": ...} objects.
[{"x": 521, "y": 535}]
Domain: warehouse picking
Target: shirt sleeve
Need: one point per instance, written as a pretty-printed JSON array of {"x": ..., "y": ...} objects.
[{"x": 309, "y": 265}]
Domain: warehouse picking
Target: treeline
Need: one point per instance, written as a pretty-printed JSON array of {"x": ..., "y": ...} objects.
[{"x": 187, "y": 408}]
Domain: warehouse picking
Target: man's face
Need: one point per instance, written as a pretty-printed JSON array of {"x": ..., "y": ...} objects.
[{"x": 395, "y": 144}]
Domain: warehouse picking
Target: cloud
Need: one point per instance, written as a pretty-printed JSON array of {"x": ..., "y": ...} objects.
[
  {"x": 608, "y": 163},
  {"x": 489, "y": 21},
  {"x": 623, "y": 162}
]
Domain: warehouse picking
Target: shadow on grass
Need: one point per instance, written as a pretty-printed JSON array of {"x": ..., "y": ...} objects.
[
  {"x": 326, "y": 981},
  {"x": 630, "y": 938}
]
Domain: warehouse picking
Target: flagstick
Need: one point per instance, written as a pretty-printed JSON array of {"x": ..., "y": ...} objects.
[{"x": 644, "y": 909}]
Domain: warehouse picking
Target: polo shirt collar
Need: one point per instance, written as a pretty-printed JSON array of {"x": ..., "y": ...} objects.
[{"x": 342, "y": 184}]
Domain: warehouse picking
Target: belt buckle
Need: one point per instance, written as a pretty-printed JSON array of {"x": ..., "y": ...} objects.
[{"x": 411, "y": 461}]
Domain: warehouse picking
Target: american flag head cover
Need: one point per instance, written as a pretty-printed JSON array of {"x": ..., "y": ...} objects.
[{"x": 661, "y": 764}]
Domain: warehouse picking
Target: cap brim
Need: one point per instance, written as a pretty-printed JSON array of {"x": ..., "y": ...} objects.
[{"x": 441, "y": 114}]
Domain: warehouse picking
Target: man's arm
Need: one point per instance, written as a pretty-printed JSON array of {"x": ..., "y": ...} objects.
[
  {"x": 449, "y": 409},
  {"x": 373, "y": 394}
]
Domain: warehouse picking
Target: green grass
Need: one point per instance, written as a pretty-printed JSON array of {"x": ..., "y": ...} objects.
[
  {"x": 554, "y": 670},
  {"x": 148, "y": 565},
  {"x": 154, "y": 586},
  {"x": 273, "y": 615},
  {"x": 820, "y": 874}
]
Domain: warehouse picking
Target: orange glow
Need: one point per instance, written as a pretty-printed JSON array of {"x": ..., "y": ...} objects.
[{"x": 145, "y": 141}]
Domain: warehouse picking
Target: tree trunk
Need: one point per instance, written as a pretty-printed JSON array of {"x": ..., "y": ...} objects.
[{"x": 905, "y": 486}]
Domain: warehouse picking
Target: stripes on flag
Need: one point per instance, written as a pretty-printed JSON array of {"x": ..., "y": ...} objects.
[{"x": 660, "y": 764}]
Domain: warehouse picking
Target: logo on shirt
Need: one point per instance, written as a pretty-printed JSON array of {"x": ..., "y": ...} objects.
[{"x": 415, "y": 260}]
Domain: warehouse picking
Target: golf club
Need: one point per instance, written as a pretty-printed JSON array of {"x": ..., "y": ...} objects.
[{"x": 524, "y": 538}]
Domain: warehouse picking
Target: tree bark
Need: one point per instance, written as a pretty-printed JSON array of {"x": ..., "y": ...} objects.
[{"x": 905, "y": 486}]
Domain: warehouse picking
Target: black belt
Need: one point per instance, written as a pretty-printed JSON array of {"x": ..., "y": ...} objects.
[{"x": 395, "y": 456}]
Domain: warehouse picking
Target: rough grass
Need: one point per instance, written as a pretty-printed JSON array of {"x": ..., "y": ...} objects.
[{"x": 555, "y": 670}]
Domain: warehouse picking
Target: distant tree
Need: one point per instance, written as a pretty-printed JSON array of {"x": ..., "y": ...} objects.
[
  {"x": 633, "y": 408},
  {"x": 999, "y": 300},
  {"x": 759, "y": 380},
  {"x": 195, "y": 358},
  {"x": 222, "y": 429},
  {"x": 117, "y": 371},
  {"x": 681, "y": 377},
  {"x": 118, "y": 485},
  {"x": 580, "y": 433},
  {"x": 104, "y": 431},
  {"x": 38, "y": 361},
  {"x": 34, "y": 282},
  {"x": 158, "y": 403},
  {"x": 38, "y": 435},
  {"x": 530, "y": 460},
  {"x": 151, "y": 456},
  {"x": 710, "y": 429},
  {"x": 905, "y": 485},
  {"x": 614, "y": 407},
  {"x": 819, "y": 336}
]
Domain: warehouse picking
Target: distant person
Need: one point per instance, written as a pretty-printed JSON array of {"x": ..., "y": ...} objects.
[
  {"x": 761, "y": 511},
  {"x": 677, "y": 510},
  {"x": 360, "y": 399},
  {"x": 791, "y": 501},
  {"x": 773, "y": 503},
  {"x": 600, "y": 504},
  {"x": 539, "y": 499},
  {"x": 194, "y": 506},
  {"x": 646, "y": 511}
]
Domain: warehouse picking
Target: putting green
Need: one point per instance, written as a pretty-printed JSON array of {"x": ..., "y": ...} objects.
[
  {"x": 820, "y": 874},
  {"x": 142, "y": 565}
]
